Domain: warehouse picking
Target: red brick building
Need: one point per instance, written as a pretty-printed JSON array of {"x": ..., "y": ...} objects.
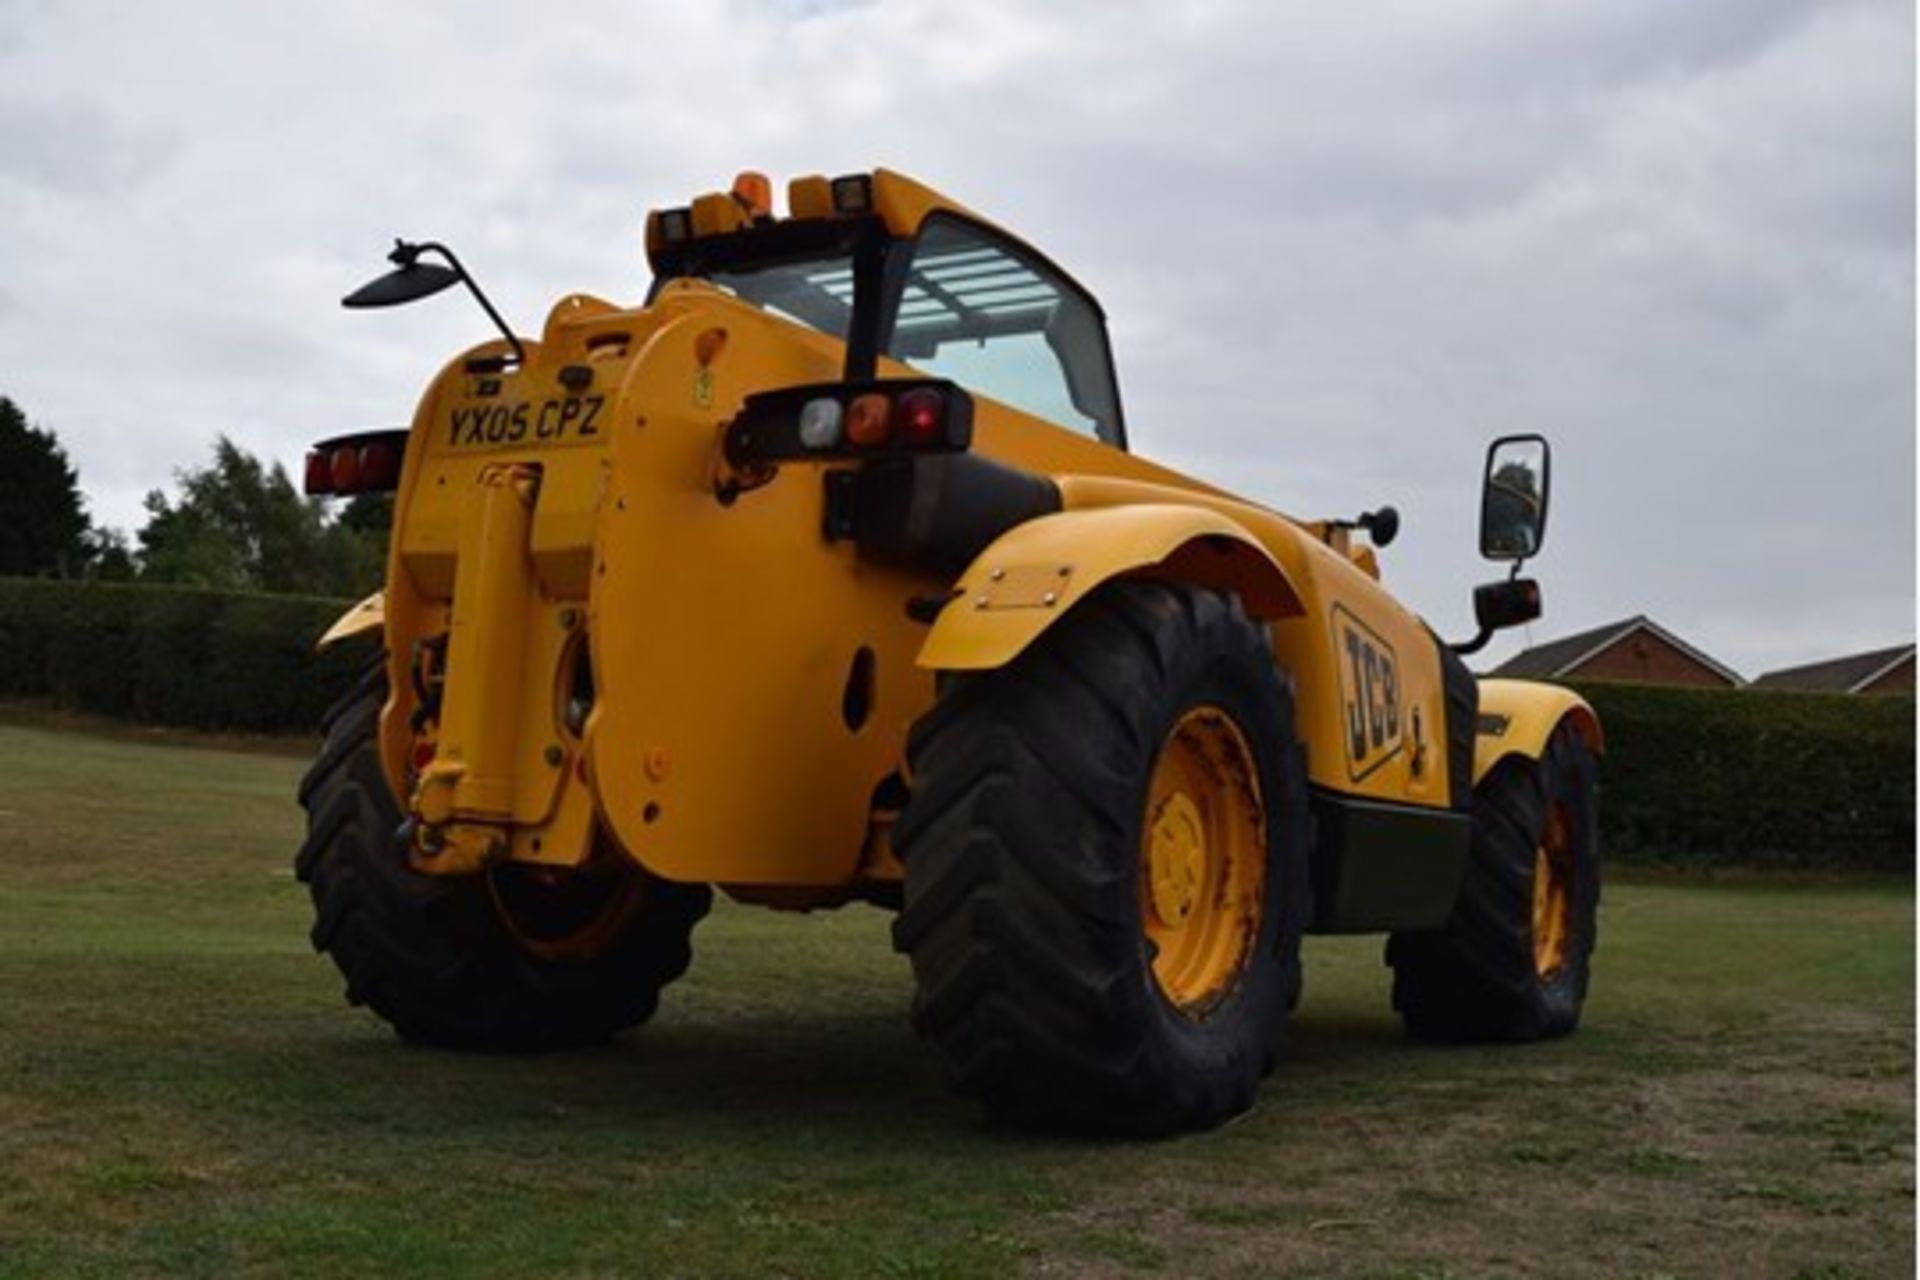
[
  {"x": 1637, "y": 649},
  {"x": 1879, "y": 671}
]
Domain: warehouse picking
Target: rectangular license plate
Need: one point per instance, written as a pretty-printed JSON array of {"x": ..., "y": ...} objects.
[{"x": 503, "y": 424}]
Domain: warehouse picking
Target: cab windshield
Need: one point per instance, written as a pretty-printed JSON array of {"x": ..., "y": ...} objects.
[
  {"x": 958, "y": 300},
  {"x": 1002, "y": 321},
  {"x": 816, "y": 292}
]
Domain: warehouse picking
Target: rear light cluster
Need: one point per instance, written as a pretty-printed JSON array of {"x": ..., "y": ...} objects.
[
  {"x": 365, "y": 463},
  {"x": 847, "y": 420},
  {"x": 872, "y": 421}
]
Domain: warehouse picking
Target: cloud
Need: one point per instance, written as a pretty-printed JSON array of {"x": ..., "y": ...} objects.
[
  {"x": 1341, "y": 245},
  {"x": 73, "y": 148}
]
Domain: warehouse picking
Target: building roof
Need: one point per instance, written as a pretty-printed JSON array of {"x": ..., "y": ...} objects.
[
  {"x": 1838, "y": 675},
  {"x": 1561, "y": 657}
]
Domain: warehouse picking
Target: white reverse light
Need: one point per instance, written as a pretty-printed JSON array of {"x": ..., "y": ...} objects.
[{"x": 820, "y": 423}]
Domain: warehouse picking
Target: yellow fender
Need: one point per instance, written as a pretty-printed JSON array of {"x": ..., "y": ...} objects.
[
  {"x": 1034, "y": 573},
  {"x": 365, "y": 616},
  {"x": 1518, "y": 716}
]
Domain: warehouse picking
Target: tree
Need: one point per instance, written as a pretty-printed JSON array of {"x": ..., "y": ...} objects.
[
  {"x": 111, "y": 560},
  {"x": 363, "y": 530},
  {"x": 45, "y": 529},
  {"x": 371, "y": 514},
  {"x": 239, "y": 525}
]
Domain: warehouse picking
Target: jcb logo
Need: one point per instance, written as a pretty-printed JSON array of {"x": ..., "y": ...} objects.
[{"x": 1370, "y": 691}]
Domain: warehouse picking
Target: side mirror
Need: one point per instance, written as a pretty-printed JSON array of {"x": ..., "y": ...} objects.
[
  {"x": 1513, "y": 500},
  {"x": 1513, "y": 602},
  {"x": 411, "y": 280},
  {"x": 408, "y": 283}
]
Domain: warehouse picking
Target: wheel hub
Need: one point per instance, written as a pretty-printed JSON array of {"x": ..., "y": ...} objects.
[
  {"x": 1202, "y": 860},
  {"x": 1176, "y": 858},
  {"x": 567, "y": 913}
]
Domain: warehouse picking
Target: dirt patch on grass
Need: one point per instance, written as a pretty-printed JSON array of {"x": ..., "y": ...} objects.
[{"x": 1783, "y": 1150}]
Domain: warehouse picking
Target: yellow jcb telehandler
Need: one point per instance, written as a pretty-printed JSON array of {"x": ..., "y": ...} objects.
[{"x": 825, "y": 575}]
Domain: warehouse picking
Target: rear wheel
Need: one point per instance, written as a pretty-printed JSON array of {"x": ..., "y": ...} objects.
[
  {"x": 1513, "y": 961},
  {"x": 1105, "y": 852},
  {"x": 516, "y": 958}
]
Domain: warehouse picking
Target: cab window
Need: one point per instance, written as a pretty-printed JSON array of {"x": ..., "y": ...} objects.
[
  {"x": 1000, "y": 321},
  {"x": 816, "y": 292}
]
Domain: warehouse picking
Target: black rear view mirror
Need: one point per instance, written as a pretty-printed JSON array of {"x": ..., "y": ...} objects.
[
  {"x": 1513, "y": 501},
  {"x": 408, "y": 283},
  {"x": 1510, "y": 603},
  {"x": 411, "y": 280}
]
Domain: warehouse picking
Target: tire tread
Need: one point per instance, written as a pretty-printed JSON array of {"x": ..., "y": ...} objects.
[{"x": 430, "y": 955}]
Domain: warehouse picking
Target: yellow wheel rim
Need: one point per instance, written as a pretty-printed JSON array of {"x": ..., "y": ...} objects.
[
  {"x": 567, "y": 913},
  {"x": 1552, "y": 893},
  {"x": 1203, "y": 865}
]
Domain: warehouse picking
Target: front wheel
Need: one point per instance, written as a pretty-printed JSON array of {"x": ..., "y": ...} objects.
[
  {"x": 1106, "y": 852},
  {"x": 1514, "y": 959}
]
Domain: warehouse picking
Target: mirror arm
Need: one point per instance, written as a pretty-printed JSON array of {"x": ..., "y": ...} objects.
[
  {"x": 1469, "y": 647},
  {"x": 404, "y": 255}
]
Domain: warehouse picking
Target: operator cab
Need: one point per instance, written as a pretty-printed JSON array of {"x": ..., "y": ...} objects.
[{"x": 897, "y": 271}]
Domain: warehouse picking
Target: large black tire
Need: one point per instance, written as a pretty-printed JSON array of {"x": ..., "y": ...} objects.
[
  {"x": 1477, "y": 978},
  {"x": 1023, "y": 911},
  {"x": 432, "y": 955}
]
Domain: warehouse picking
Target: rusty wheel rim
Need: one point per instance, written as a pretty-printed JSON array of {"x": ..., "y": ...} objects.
[
  {"x": 566, "y": 913},
  {"x": 1553, "y": 894},
  {"x": 1202, "y": 860}
]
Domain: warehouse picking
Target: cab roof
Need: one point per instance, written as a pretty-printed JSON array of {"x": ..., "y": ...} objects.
[
  {"x": 737, "y": 229},
  {"x": 814, "y": 202}
]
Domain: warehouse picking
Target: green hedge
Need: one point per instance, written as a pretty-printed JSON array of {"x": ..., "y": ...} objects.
[
  {"x": 1752, "y": 779},
  {"x": 1692, "y": 777},
  {"x": 173, "y": 656}
]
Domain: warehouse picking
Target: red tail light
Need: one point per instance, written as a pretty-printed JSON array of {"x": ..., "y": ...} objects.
[
  {"x": 346, "y": 469},
  {"x": 365, "y": 463},
  {"x": 319, "y": 474},
  {"x": 379, "y": 467},
  {"x": 917, "y": 416}
]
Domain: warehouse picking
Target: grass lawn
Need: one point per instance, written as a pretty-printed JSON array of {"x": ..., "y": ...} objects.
[{"x": 182, "y": 1090}]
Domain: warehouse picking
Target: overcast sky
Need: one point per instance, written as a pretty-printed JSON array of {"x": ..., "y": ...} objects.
[{"x": 1341, "y": 245}]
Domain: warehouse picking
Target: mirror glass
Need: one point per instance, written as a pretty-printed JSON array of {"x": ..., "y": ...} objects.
[
  {"x": 405, "y": 284},
  {"x": 1513, "y": 506}
]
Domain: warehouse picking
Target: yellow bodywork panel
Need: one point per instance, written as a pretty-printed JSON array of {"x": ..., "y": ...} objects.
[
  {"x": 1370, "y": 704},
  {"x": 572, "y": 522},
  {"x": 366, "y": 616},
  {"x": 903, "y": 204},
  {"x": 1040, "y": 569},
  {"x": 740, "y": 732},
  {"x": 1518, "y": 716}
]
